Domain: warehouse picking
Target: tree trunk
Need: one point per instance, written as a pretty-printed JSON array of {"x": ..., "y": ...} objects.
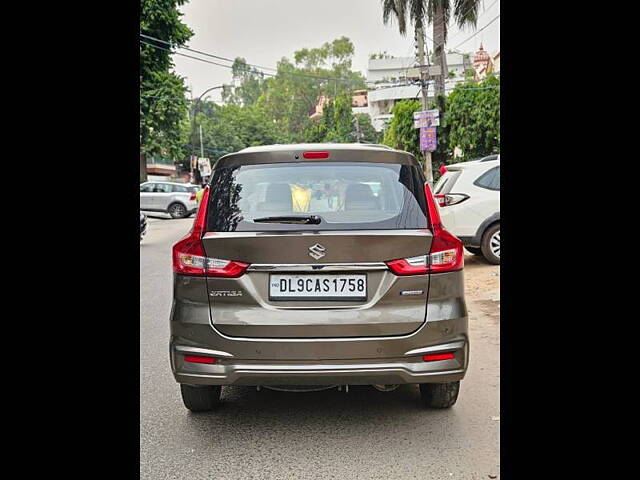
[
  {"x": 438, "y": 47},
  {"x": 143, "y": 167}
]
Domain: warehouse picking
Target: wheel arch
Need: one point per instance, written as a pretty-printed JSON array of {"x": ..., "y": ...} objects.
[
  {"x": 173, "y": 202},
  {"x": 490, "y": 221}
]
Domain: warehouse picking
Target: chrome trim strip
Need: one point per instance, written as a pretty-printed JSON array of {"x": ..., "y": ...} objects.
[
  {"x": 324, "y": 267},
  {"x": 319, "y": 233},
  {"x": 436, "y": 348},
  {"x": 202, "y": 351}
]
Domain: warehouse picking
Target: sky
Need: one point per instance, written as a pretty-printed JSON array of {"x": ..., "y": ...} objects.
[{"x": 264, "y": 31}]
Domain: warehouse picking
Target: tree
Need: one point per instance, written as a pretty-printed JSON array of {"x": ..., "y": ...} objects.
[
  {"x": 232, "y": 127},
  {"x": 343, "y": 129},
  {"x": 473, "y": 113},
  {"x": 400, "y": 133},
  {"x": 369, "y": 134},
  {"x": 437, "y": 13},
  {"x": 338, "y": 124},
  {"x": 162, "y": 98},
  {"x": 294, "y": 92},
  {"x": 250, "y": 82}
]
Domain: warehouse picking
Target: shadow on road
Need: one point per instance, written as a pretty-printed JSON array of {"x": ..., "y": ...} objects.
[{"x": 246, "y": 409}]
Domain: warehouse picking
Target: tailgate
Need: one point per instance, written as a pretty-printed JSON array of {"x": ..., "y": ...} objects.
[{"x": 318, "y": 284}]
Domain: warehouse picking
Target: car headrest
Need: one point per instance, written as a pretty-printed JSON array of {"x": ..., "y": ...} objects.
[
  {"x": 277, "y": 198},
  {"x": 360, "y": 197}
]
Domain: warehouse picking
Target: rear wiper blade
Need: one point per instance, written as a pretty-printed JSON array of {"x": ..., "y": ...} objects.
[{"x": 301, "y": 219}]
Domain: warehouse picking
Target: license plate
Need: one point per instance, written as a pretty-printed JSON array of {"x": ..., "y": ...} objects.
[{"x": 318, "y": 287}]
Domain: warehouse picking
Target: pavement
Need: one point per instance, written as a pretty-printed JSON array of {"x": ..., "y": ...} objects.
[{"x": 329, "y": 434}]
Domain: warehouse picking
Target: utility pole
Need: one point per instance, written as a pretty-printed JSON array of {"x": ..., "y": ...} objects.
[
  {"x": 424, "y": 75},
  {"x": 201, "y": 146},
  {"x": 358, "y": 129}
]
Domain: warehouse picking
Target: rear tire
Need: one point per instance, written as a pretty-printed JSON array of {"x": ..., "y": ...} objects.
[
  {"x": 177, "y": 210},
  {"x": 474, "y": 250},
  {"x": 200, "y": 399},
  {"x": 440, "y": 395},
  {"x": 491, "y": 244}
]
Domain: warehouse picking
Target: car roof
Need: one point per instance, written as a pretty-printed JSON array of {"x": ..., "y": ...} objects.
[
  {"x": 484, "y": 161},
  {"x": 316, "y": 146},
  {"x": 339, "y": 152},
  {"x": 170, "y": 183}
]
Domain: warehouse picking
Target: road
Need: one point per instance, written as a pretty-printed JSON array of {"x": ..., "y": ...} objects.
[{"x": 330, "y": 434}]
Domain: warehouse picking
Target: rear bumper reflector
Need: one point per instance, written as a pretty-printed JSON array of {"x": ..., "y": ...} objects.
[
  {"x": 200, "y": 359},
  {"x": 433, "y": 357}
]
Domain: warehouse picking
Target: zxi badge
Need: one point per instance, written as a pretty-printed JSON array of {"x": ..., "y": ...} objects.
[{"x": 317, "y": 251}]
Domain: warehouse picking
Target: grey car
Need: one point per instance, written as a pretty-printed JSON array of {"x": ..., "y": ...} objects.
[
  {"x": 176, "y": 199},
  {"x": 318, "y": 265}
]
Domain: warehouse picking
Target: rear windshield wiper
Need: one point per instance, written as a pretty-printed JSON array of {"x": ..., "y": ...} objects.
[{"x": 301, "y": 219}]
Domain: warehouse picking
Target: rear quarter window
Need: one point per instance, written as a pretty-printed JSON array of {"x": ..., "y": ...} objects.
[
  {"x": 446, "y": 181},
  {"x": 489, "y": 179}
]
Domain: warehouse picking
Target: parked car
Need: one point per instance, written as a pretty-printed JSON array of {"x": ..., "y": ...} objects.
[
  {"x": 468, "y": 195},
  {"x": 176, "y": 199},
  {"x": 285, "y": 283},
  {"x": 143, "y": 225}
]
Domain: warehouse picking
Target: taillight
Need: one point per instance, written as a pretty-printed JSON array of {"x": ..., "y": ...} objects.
[
  {"x": 409, "y": 266},
  {"x": 189, "y": 257},
  {"x": 448, "y": 199},
  {"x": 192, "y": 197},
  {"x": 446, "y": 254}
]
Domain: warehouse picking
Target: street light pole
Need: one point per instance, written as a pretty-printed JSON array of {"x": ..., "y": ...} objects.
[{"x": 194, "y": 112}]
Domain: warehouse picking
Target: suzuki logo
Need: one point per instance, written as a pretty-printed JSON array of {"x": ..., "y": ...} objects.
[{"x": 317, "y": 251}]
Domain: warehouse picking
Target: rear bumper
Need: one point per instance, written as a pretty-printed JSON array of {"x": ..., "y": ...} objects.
[
  {"x": 230, "y": 371},
  {"x": 353, "y": 360},
  {"x": 469, "y": 241}
]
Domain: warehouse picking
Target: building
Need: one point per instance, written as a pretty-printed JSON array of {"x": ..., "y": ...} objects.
[
  {"x": 317, "y": 110},
  {"x": 359, "y": 104},
  {"x": 484, "y": 63},
  {"x": 163, "y": 167},
  {"x": 391, "y": 80}
]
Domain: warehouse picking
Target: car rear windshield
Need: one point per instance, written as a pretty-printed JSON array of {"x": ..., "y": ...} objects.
[
  {"x": 344, "y": 195},
  {"x": 446, "y": 181}
]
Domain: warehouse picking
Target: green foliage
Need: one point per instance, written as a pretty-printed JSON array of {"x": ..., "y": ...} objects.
[
  {"x": 369, "y": 134},
  {"x": 251, "y": 84},
  {"x": 380, "y": 55},
  {"x": 338, "y": 124},
  {"x": 163, "y": 104},
  {"x": 260, "y": 111},
  {"x": 232, "y": 127},
  {"x": 474, "y": 118},
  {"x": 400, "y": 133},
  {"x": 343, "y": 129},
  {"x": 162, "y": 107}
]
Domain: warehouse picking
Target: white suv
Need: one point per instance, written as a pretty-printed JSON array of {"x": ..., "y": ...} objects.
[
  {"x": 176, "y": 199},
  {"x": 468, "y": 194}
]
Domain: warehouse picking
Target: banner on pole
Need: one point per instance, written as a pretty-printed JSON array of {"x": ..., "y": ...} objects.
[
  {"x": 428, "y": 140},
  {"x": 426, "y": 118}
]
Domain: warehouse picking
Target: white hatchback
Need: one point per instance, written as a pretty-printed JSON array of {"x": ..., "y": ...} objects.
[{"x": 468, "y": 194}]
